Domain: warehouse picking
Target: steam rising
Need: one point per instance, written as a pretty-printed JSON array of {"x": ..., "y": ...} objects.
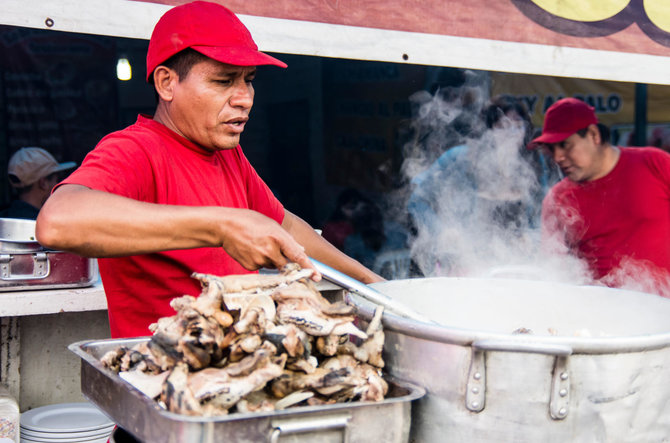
[
  {"x": 638, "y": 276},
  {"x": 476, "y": 195}
]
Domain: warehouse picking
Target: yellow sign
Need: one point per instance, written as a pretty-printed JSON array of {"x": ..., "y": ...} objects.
[
  {"x": 658, "y": 12},
  {"x": 614, "y": 102},
  {"x": 583, "y": 10}
]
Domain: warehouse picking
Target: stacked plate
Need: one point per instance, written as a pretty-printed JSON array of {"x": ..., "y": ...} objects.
[{"x": 65, "y": 423}]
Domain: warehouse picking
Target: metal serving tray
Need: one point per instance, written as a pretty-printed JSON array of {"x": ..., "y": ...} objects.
[
  {"x": 387, "y": 421},
  {"x": 25, "y": 264},
  {"x": 45, "y": 270}
]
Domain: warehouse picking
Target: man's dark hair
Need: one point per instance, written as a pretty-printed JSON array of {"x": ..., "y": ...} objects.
[
  {"x": 604, "y": 132},
  {"x": 182, "y": 62},
  {"x": 448, "y": 79},
  {"x": 500, "y": 106}
]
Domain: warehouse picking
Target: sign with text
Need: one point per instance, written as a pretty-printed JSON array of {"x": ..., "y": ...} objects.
[
  {"x": 614, "y": 102},
  {"x": 611, "y": 25}
]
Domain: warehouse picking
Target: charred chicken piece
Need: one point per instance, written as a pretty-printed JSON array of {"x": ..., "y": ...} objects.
[
  {"x": 112, "y": 359},
  {"x": 176, "y": 394},
  {"x": 219, "y": 394},
  {"x": 251, "y": 282},
  {"x": 315, "y": 322},
  {"x": 322, "y": 379},
  {"x": 255, "y": 343}
]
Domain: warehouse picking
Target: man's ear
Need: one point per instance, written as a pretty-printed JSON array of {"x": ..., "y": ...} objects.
[
  {"x": 594, "y": 132},
  {"x": 43, "y": 183},
  {"x": 164, "y": 81}
]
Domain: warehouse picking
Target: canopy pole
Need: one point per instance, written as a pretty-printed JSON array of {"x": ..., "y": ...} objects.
[{"x": 640, "y": 132}]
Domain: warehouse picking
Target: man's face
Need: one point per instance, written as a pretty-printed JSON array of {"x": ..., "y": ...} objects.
[
  {"x": 46, "y": 184},
  {"x": 580, "y": 158},
  {"x": 211, "y": 105}
]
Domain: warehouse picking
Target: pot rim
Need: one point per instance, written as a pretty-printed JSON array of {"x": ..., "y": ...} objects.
[{"x": 509, "y": 341}]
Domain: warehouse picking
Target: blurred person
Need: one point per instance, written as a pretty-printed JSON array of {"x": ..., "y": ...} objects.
[
  {"x": 174, "y": 193},
  {"x": 665, "y": 140},
  {"x": 489, "y": 187},
  {"x": 516, "y": 179},
  {"x": 443, "y": 116},
  {"x": 375, "y": 237},
  {"x": 340, "y": 224},
  {"x": 612, "y": 209},
  {"x": 32, "y": 173},
  {"x": 481, "y": 165},
  {"x": 660, "y": 138},
  {"x": 358, "y": 228},
  {"x": 368, "y": 237}
]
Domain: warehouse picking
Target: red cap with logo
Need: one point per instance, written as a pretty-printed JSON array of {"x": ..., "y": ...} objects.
[
  {"x": 564, "y": 118},
  {"x": 209, "y": 28}
]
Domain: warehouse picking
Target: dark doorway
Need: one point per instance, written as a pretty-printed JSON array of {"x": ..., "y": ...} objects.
[{"x": 290, "y": 172}]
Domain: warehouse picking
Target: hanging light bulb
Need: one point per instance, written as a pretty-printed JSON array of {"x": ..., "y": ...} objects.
[{"x": 123, "y": 70}]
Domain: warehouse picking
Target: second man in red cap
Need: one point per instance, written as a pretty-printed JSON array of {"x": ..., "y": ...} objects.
[{"x": 612, "y": 209}]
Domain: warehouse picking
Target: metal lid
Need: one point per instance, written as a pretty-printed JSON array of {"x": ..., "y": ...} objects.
[{"x": 18, "y": 235}]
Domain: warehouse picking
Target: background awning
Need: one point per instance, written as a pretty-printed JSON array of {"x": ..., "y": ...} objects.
[{"x": 621, "y": 40}]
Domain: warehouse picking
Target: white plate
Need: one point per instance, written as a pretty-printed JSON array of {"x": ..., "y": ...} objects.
[
  {"x": 65, "y": 417},
  {"x": 64, "y": 437},
  {"x": 95, "y": 440}
]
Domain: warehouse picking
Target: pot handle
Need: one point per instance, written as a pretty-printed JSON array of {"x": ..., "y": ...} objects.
[
  {"x": 475, "y": 395},
  {"x": 290, "y": 426},
  {"x": 522, "y": 346},
  {"x": 41, "y": 268}
]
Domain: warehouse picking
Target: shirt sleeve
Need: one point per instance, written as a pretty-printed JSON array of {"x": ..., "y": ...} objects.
[
  {"x": 259, "y": 194},
  {"x": 658, "y": 162},
  {"x": 553, "y": 229},
  {"x": 549, "y": 223},
  {"x": 117, "y": 165}
]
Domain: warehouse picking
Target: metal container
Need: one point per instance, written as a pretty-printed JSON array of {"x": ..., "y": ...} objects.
[
  {"x": 387, "y": 421},
  {"x": 586, "y": 363},
  {"x": 25, "y": 264}
]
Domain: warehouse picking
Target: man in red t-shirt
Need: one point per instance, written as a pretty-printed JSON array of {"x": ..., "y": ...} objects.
[
  {"x": 174, "y": 193},
  {"x": 612, "y": 209}
]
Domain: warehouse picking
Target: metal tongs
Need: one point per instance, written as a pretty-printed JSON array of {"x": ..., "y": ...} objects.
[{"x": 368, "y": 293}]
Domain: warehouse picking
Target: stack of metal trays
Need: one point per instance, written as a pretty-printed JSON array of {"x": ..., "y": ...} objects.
[{"x": 387, "y": 421}]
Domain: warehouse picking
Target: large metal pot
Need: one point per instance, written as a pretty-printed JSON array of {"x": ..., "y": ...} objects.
[{"x": 586, "y": 363}]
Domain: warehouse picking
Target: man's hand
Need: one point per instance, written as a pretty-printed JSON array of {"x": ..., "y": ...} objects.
[
  {"x": 256, "y": 241},
  {"x": 318, "y": 248}
]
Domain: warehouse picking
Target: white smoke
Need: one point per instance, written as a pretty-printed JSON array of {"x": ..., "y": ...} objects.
[
  {"x": 475, "y": 196},
  {"x": 475, "y": 199},
  {"x": 637, "y": 275}
]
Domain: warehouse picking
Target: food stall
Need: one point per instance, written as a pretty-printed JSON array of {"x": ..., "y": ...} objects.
[
  {"x": 619, "y": 40},
  {"x": 622, "y": 41}
]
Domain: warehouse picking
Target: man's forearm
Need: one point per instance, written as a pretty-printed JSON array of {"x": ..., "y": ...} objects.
[
  {"x": 98, "y": 224},
  {"x": 320, "y": 249}
]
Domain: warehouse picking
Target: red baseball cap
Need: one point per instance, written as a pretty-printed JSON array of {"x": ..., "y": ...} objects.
[
  {"x": 564, "y": 118},
  {"x": 209, "y": 28}
]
